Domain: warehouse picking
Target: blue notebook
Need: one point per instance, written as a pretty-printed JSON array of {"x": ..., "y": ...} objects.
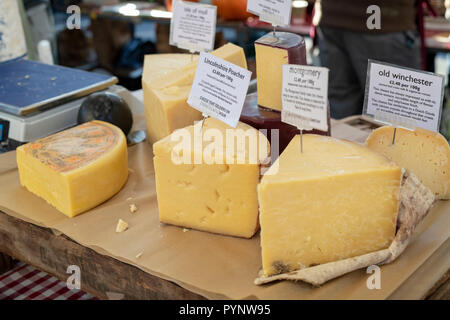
[{"x": 28, "y": 86}]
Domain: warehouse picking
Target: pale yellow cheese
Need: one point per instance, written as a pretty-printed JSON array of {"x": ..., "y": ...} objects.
[
  {"x": 334, "y": 201},
  {"x": 216, "y": 196},
  {"x": 133, "y": 208},
  {"x": 270, "y": 78},
  {"x": 76, "y": 169},
  {"x": 121, "y": 226},
  {"x": 423, "y": 152},
  {"x": 165, "y": 97},
  {"x": 166, "y": 110},
  {"x": 185, "y": 75},
  {"x": 158, "y": 65}
]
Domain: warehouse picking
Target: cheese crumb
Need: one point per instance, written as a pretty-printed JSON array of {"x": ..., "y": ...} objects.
[
  {"x": 121, "y": 226},
  {"x": 130, "y": 198},
  {"x": 185, "y": 230},
  {"x": 133, "y": 208},
  {"x": 139, "y": 255}
]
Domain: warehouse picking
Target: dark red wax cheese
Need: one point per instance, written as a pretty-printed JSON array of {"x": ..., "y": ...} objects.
[{"x": 274, "y": 50}]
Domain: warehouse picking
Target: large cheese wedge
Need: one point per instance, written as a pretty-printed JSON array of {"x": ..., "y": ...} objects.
[
  {"x": 76, "y": 169},
  {"x": 210, "y": 185},
  {"x": 334, "y": 201},
  {"x": 423, "y": 152},
  {"x": 165, "y": 97},
  {"x": 272, "y": 52}
]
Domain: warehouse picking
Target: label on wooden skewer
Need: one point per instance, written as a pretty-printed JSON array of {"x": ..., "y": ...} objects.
[
  {"x": 219, "y": 89},
  {"x": 305, "y": 97},
  {"x": 403, "y": 97},
  {"x": 278, "y": 12},
  {"x": 193, "y": 26}
]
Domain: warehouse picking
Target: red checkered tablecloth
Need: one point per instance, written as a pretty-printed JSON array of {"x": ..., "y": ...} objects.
[{"x": 27, "y": 283}]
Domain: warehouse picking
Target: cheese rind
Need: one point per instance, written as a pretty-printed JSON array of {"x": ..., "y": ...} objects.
[
  {"x": 218, "y": 197},
  {"x": 423, "y": 152},
  {"x": 272, "y": 52},
  {"x": 76, "y": 169},
  {"x": 334, "y": 201},
  {"x": 165, "y": 96}
]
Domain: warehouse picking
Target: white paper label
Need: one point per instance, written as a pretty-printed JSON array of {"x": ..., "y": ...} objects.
[
  {"x": 305, "y": 97},
  {"x": 276, "y": 12},
  {"x": 219, "y": 89},
  {"x": 193, "y": 26},
  {"x": 403, "y": 97}
]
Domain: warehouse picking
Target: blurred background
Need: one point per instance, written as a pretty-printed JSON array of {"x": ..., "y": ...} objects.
[{"x": 114, "y": 35}]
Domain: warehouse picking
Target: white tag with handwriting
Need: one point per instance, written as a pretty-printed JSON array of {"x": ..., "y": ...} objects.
[
  {"x": 276, "y": 12},
  {"x": 305, "y": 97},
  {"x": 403, "y": 97},
  {"x": 193, "y": 26},
  {"x": 219, "y": 89}
]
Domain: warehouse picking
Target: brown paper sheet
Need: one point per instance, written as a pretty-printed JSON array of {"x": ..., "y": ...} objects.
[{"x": 215, "y": 266}]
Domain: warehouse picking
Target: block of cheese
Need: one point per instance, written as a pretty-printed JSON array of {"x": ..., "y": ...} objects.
[
  {"x": 165, "y": 97},
  {"x": 158, "y": 65},
  {"x": 423, "y": 152},
  {"x": 185, "y": 75},
  {"x": 217, "y": 196},
  {"x": 272, "y": 52},
  {"x": 76, "y": 169},
  {"x": 334, "y": 201},
  {"x": 270, "y": 120},
  {"x": 166, "y": 110}
]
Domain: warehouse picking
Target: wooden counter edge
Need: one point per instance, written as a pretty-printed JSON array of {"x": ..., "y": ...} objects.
[{"x": 101, "y": 276}]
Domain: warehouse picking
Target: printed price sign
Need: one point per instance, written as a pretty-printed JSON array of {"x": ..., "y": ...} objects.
[
  {"x": 193, "y": 26},
  {"x": 403, "y": 97},
  {"x": 305, "y": 97},
  {"x": 219, "y": 89},
  {"x": 276, "y": 12}
]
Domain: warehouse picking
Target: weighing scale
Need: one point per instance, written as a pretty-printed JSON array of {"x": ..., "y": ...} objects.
[{"x": 37, "y": 99}]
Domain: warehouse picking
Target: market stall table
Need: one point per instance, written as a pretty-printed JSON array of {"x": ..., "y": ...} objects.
[{"x": 156, "y": 261}]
